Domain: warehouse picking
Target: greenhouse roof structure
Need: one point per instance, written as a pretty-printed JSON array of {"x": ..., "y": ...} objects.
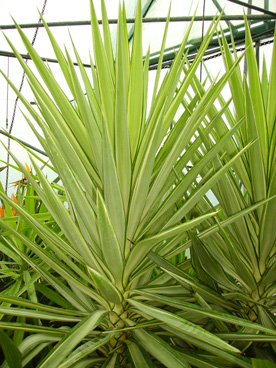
[
  {"x": 261, "y": 15},
  {"x": 72, "y": 19}
]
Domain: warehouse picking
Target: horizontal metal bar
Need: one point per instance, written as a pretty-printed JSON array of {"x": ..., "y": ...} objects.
[
  {"x": 145, "y": 20},
  {"x": 258, "y": 35},
  {"x": 154, "y": 57},
  {"x": 27, "y": 57},
  {"x": 25, "y": 143},
  {"x": 253, "y": 7}
]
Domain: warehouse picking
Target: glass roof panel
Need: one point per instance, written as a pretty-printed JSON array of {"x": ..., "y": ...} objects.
[
  {"x": 261, "y": 15},
  {"x": 153, "y": 32}
]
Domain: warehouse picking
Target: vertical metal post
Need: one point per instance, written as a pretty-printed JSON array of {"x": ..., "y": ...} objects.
[{"x": 257, "y": 46}]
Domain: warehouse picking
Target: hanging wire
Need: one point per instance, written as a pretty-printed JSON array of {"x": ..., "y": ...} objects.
[
  {"x": 7, "y": 105},
  {"x": 17, "y": 99}
]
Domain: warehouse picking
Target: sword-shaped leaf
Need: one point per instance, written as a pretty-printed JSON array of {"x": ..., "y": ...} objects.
[
  {"x": 111, "y": 249},
  {"x": 188, "y": 281},
  {"x": 255, "y": 156},
  {"x": 159, "y": 349},
  {"x": 185, "y": 326},
  {"x": 72, "y": 339},
  {"x": 201, "y": 311},
  {"x": 105, "y": 286},
  {"x": 105, "y": 76},
  {"x": 112, "y": 194},
  {"x": 10, "y": 350},
  {"x": 85, "y": 349},
  {"x": 87, "y": 111},
  {"x": 62, "y": 101},
  {"x": 107, "y": 39},
  {"x": 271, "y": 106},
  {"x": 135, "y": 96},
  {"x": 255, "y": 92},
  {"x": 122, "y": 151},
  {"x": 138, "y": 356},
  {"x": 142, "y": 248}
]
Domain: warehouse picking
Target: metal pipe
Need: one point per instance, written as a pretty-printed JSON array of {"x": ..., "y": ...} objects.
[
  {"x": 253, "y": 7},
  {"x": 266, "y": 17},
  {"x": 221, "y": 10},
  {"x": 27, "y": 57},
  {"x": 25, "y": 143}
]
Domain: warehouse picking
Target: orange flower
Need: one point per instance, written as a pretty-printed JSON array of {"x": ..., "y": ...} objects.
[
  {"x": 15, "y": 200},
  {"x": 13, "y": 197},
  {"x": 2, "y": 212},
  {"x": 28, "y": 169}
]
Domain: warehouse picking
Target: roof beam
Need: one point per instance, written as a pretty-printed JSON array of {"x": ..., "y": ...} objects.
[
  {"x": 23, "y": 142},
  {"x": 265, "y": 17},
  {"x": 145, "y": 10},
  {"x": 253, "y": 7},
  {"x": 221, "y": 10},
  {"x": 27, "y": 57}
]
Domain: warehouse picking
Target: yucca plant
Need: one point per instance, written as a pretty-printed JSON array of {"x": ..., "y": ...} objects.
[
  {"x": 120, "y": 160},
  {"x": 238, "y": 261}
]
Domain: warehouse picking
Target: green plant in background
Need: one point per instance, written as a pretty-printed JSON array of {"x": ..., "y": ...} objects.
[
  {"x": 12, "y": 266},
  {"x": 120, "y": 159},
  {"x": 10, "y": 351},
  {"x": 17, "y": 277},
  {"x": 238, "y": 261}
]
